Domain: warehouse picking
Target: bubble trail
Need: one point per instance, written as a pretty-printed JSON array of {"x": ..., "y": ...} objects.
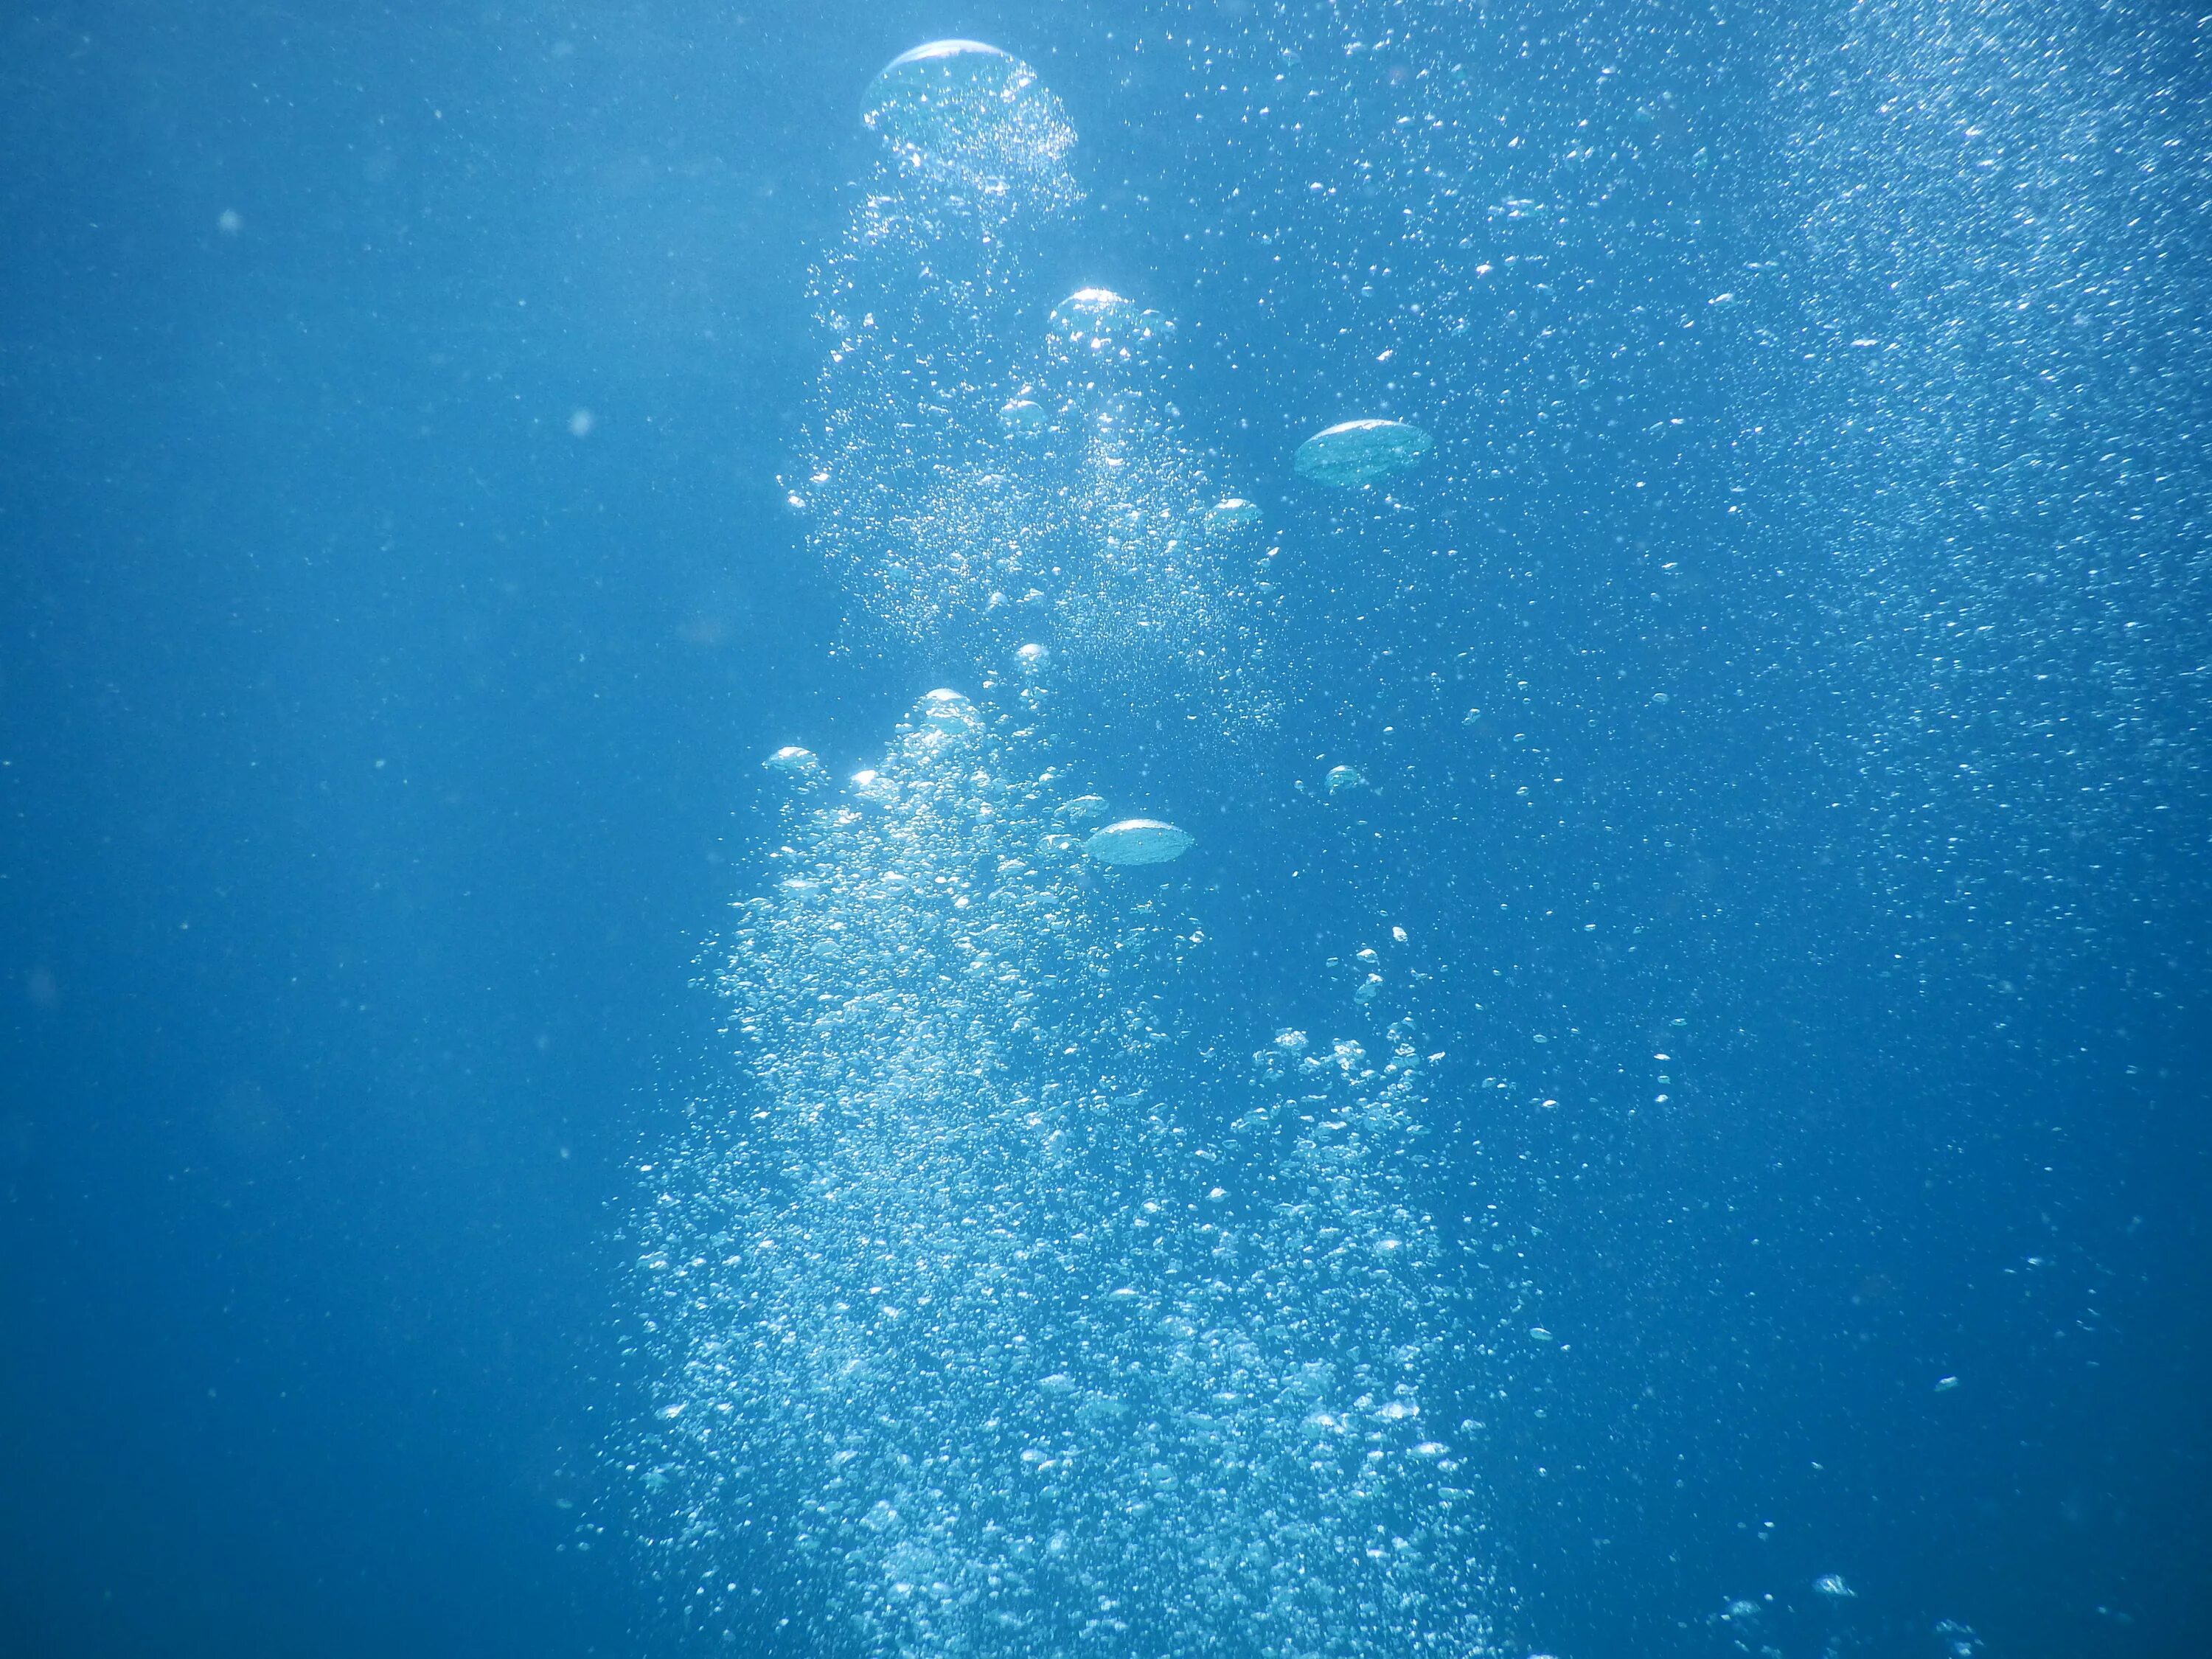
[
  {"x": 964, "y": 1309},
  {"x": 971, "y": 495},
  {"x": 1020, "y": 1362}
]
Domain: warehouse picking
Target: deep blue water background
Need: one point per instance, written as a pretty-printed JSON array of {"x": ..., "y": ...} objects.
[{"x": 374, "y": 756}]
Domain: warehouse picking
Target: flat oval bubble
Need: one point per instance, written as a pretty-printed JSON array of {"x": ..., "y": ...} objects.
[
  {"x": 1360, "y": 452},
  {"x": 1234, "y": 515},
  {"x": 1082, "y": 809},
  {"x": 949, "y": 95},
  {"x": 1138, "y": 841}
]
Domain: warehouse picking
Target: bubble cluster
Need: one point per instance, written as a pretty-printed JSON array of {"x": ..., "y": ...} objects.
[
  {"x": 914, "y": 303},
  {"x": 1021, "y": 1318},
  {"x": 969, "y": 110},
  {"x": 972, "y": 1318},
  {"x": 982, "y": 477},
  {"x": 1993, "y": 323}
]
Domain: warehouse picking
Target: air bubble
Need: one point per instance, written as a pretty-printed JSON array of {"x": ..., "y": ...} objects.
[
  {"x": 1235, "y": 516},
  {"x": 1023, "y": 417},
  {"x": 799, "y": 765},
  {"x": 1139, "y": 841},
  {"x": 966, "y": 102},
  {"x": 1360, "y": 452}
]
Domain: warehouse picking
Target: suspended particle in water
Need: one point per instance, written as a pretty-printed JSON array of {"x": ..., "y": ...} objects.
[
  {"x": 965, "y": 100},
  {"x": 1360, "y": 452},
  {"x": 1235, "y": 516},
  {"x": 1138, "y": 841}
]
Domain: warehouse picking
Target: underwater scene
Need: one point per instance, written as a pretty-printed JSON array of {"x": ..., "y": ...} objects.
[{"x": 1106, "y": 829}]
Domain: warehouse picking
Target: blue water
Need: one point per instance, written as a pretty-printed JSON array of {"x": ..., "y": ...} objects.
[{"x": 1779, "y": 703}]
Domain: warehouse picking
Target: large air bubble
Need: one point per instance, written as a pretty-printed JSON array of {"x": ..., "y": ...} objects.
[
  {"x": 963, "y": 102},
  {"x": 1360, "y": 452},
  {"x": 1138, "y": 841},
  {"x": 1096, "y": 324}
]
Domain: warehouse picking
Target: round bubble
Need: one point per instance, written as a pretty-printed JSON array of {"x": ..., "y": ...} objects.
[
  {"x": 922, "y": 93},
  {"x": 947, "y": 712},
  {"x": 1343, "y": 778},
  {"x": 1138, "y": 841},
  {"x": 874, "y": 788},
  {"x": 1235, "y": 515},
  {"x": 1098, "y": 322},
  {"x": 800, "y": 765},
  {"x": 948, "y": 96},
  {"x": 1360, "y": 452},
  {"x": 1023, "y": 417}
]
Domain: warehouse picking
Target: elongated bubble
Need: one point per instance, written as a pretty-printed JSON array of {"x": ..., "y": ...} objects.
[
  {"x": 1235, "y": 516},
  {"x": 1138, "y": 841},
  {"x": 1360, "y": 452}
]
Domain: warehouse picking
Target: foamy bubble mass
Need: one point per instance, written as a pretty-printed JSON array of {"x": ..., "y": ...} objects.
[
  {"x": 970, "y": 1318},
  {"x": 963, "y": 105},
  {"x": 994, "y": 1295}
]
